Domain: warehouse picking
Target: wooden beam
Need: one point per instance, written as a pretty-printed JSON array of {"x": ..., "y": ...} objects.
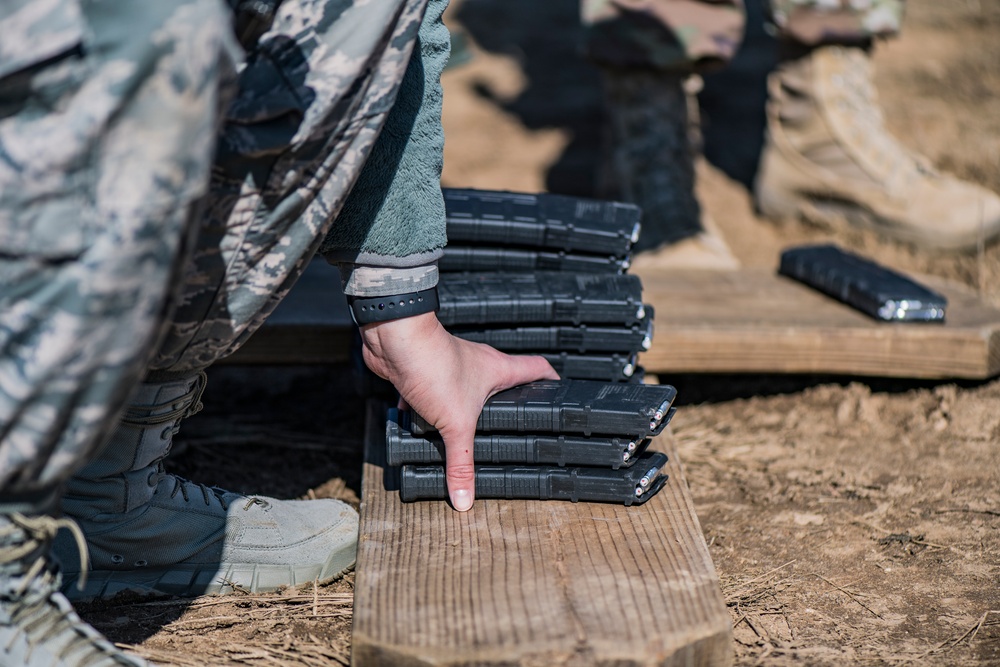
[
  {"x": 756, "y": 321},
  {"x": 531, "y": 582},
  {"x": 747, "y": 321}
]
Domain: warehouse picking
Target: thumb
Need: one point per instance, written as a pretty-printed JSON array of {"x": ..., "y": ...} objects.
[
  {"x": 522, "y": 369},
  {"x": 459, "y": 467}
]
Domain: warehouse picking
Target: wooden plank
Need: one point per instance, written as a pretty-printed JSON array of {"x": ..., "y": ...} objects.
[
  {"x": 533, "y": 583},
  {"x": 748, "y": 321},
  {"x": 756, "y": 321}
]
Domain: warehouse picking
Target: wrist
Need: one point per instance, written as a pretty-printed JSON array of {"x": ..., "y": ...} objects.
[
  {"x": 370, "y": 310},
  {"x": 390, "y": 344}
]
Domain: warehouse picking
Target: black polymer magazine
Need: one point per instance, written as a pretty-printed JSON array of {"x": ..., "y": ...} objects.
[
  {"x": 555, "y": 222},
  {"x": 488, "y": 258},
  {"x": 582, "y": 407},
  {"x": 627, "y": 486},
  {"x": 565, "y": 338},
  {"x": 509, "y": 448},
  {"x": 472, "y": 299},
  {"x": 861, "y": 283},
  {"x": 607, "y": 367}
]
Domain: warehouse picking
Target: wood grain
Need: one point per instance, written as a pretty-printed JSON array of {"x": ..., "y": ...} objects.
[
  {"x": 755, "y": 321},
  {"x": 533, "y": 583},
  {"x": 748, "y": 321}
]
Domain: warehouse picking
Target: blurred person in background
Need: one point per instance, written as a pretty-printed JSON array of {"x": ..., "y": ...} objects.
[{"x": 827, "y": 151}]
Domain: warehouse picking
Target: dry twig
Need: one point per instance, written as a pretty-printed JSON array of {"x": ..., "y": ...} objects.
[
  {"x": 968, "y": 511},
  {"x": 952, "y": 642},
  {"x": 848, "y": 593},
  {"x": 748, "y": 589}
]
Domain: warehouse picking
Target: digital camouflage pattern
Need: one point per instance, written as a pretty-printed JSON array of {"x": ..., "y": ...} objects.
[
  {"x": 692, "y": 34},
  {"x": 662, "y": 34},
  {"x": 307, "y": 113},
  {"x": 104, "y": 144},
  {"x": 814, "y": 22},
  {"x": 376, "y": 281},
  {"x": 109, "y": 194}
]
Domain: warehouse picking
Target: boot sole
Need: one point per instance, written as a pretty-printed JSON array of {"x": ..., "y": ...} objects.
[
  {"x": 841, "y": 214},
  {"x": 210, "y": 579}
]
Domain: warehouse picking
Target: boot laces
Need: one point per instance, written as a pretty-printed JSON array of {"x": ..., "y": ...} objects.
[
  {"x": 186, "y": 488},
  {"x": 38, "y": 609},
  {"x": 39, "y": 531}
]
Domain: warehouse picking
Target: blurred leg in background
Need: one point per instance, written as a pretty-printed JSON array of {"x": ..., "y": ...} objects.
[{"x": 827, "y": 151}]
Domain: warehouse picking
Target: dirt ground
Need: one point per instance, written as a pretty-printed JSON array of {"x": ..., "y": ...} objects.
[{"x": 851, "y": 520}]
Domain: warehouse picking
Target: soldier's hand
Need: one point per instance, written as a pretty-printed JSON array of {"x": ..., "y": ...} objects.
[{"x": 446, "y": 380}]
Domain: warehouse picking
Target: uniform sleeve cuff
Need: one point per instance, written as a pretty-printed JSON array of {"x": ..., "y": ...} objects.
[{"x": 361, "y": 280}]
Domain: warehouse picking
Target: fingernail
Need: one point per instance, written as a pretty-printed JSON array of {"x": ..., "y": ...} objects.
[{"x": 461, "y": 500}]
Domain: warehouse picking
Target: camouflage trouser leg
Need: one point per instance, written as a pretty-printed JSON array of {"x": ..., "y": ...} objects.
[
  {"x": 310, "y": 104},
  {"x": 105, "y": 142},
  {"x": 688, "y": 34},
  {"x": 817, "y": 22},
  {"x": 662, "y": 34}
]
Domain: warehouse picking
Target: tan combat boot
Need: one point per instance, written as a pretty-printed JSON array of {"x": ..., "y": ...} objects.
[
  {"x": 650, "y": 162},
  {"x": 828, "y": 156}
]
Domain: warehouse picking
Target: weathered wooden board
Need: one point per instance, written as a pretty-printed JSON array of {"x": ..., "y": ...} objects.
[
  {"x": 533, "y": 583},
  {"x": 756, "y": 321},
  {"x": 748, "y": 321}
]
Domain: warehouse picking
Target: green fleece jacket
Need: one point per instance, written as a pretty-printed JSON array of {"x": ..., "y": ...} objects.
[{"x": 394, "y": 215}]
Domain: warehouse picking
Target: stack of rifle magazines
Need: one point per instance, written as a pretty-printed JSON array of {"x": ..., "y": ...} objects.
[
  {"x": 546, "y": 274},
  {"x": 576, "y": 440}
]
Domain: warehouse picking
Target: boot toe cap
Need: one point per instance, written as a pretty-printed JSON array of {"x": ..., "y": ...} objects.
[
  {"x": 955, "y": 214},
  {"x": 288, "y": 530}
]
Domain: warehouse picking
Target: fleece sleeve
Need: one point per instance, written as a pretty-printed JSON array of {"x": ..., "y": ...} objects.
[{"x": 391, "y": 229}]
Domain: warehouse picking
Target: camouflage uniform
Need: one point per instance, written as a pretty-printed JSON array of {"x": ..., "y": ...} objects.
[
  {"x": 160, "y": 191},
  {"x": 688, "y": 34}
]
